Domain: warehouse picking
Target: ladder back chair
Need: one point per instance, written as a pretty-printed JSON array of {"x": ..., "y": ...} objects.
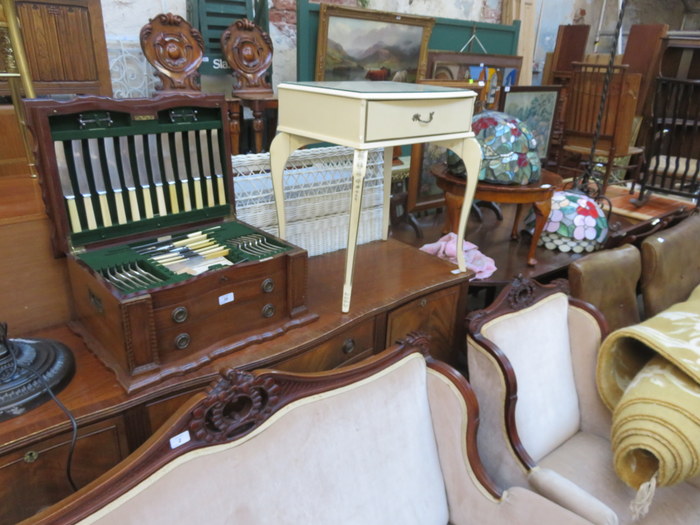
[
  {"x": 674, "y": 141},
  {"x": 583, "y": 118}
]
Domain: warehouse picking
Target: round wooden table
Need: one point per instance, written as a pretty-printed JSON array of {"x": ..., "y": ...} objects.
[{"x": 539, "y": 195}]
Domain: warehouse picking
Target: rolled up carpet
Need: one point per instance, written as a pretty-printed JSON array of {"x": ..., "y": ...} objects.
[{"x": 648, "y": 375}]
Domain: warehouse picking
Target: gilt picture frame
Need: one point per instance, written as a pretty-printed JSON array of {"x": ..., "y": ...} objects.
[
  {"x": 537, "y": 107},
  {"x": 364, "y": 44}
]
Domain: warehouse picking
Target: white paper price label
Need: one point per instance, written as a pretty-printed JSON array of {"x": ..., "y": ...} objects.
[
  {"x": 226, "y": 298},
  {"x": 180, "y": 439}
]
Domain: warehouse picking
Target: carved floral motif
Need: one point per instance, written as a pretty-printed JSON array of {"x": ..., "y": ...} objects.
[{"x": 235, "y": 405}]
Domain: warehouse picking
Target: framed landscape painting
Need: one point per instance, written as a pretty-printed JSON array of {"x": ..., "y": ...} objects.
[
  {"x": 537, "y": 107},
  {"x": 361, "y": 44}
]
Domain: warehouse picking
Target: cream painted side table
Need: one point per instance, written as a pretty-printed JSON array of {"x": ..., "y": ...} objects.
[{"x": 364, "y": 115}]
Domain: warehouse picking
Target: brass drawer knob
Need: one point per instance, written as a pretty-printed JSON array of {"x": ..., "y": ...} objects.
[
  {"x": 268, "y": 285},
  {"x": 182, "y": 341},
  {"x": 423, "y": 302},
  {"x": 268, "y": 310},
  {"x": 179, "y": 314},
  {"x": 31, "y": 456},
  {"x": 348, "y": 345}
]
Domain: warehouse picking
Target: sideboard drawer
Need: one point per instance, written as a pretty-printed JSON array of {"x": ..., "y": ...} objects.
[
  {"x": 346, "y": 347},
  {"x": 393, "y": 119},
  {"x": 34, "y": 476},
  {"x": 434, "y": 314}
]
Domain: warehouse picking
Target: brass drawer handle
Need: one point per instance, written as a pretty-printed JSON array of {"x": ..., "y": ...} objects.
[
  {"x": 268, "y": 285},
  {"x": 182, "y": 341},
  {"x": 31, "y": 456},
  {"x": 417, "y": 117},
  {"x": 348, "y": 345},
  {"x": 179, "y": 314},
  {"x": 268, "y": 310}
]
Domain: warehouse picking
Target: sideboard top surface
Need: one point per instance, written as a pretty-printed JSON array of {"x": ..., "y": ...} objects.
[{"x": 393, "y": 274}]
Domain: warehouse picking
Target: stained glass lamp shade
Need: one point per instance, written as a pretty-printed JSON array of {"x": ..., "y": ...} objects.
[
  {"x": 576, "y": 224},
  {"x": 508, "y": 148}
]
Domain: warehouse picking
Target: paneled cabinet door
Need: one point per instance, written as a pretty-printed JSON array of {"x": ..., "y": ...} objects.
[
  {"x": 434, "y": 314},
  {"x": 65, "y": 46},
  {"x": 34, "y": 477}
]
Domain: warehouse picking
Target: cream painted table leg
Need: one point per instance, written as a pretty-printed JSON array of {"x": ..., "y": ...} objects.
[
  {"x": 388, "y": 161},
  {"x": 359, "y": 170},
  {"x": 282, "y": 146},
  {"x": 470, "y": 152}
]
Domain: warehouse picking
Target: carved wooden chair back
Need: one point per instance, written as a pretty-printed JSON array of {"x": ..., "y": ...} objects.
[
  {"x": 175, "y": 49},
  {"x": 248, "y": 50}
]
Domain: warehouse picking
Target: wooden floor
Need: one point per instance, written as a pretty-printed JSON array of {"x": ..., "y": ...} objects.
[{"x": 493, "y": 239}]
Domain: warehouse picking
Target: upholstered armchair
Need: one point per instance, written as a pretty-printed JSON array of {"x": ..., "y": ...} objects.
[
  {"x": 608, "y": 280},
  {"x": 532, "y": 360}
]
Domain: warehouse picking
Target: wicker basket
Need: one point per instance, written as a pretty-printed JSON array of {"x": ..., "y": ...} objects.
[{"x": 317, "y": 184}]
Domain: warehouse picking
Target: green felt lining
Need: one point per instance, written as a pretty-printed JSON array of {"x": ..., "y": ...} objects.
[{"x": 121, "y": 259}]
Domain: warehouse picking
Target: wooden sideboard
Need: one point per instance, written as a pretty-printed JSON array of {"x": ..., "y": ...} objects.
[{"x": 397, "y": 289}]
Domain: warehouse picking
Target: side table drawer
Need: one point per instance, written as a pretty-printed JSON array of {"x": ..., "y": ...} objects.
[
  {"x": 397, "y": 119},
  {"x": 349, "y": 346}
]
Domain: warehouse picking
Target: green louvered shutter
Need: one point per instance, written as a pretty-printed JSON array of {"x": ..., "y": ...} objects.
[{"x": 212, "y": 17}]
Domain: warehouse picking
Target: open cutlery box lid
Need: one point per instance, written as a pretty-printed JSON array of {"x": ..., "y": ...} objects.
[{"x": 140, "y": 193}]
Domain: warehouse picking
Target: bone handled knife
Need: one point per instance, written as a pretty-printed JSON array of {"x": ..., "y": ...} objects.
[
  {"x": 129, "y": 178},
  {"x": 99, "y": 179},
  {"x": 219, "y": 172},
  {"x": 157, "y": 177},
  {"x": 182, "y": 171},
  {"x": 206, "y": 167},
  {"x": 169, "y": 173},
  {"x": 142, "y": 175},
  {"x": 114, "y": 181},
  {"x": 67, "y": 186},
  {"x": 83, "y": 185},
  {"x": 194, "y": 169}
]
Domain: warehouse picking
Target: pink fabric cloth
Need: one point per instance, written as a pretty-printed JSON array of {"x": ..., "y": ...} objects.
[{"x": 445, "y": 248}]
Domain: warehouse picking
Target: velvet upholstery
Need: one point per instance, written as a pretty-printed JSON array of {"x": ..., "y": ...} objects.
[
  {"x": 388, "y": 440},
  {"x": 542, "y": 425},
  {"x": 450, "y": 419},
  {"x": 608, "y": 280},
  {"x": 670, "y": 265},
  {"x": 584, "y": 457},
  {"x": 308, "y": 453}
]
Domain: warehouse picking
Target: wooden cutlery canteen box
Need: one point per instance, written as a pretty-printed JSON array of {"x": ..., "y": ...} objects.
[{"x": 164, "y": 278}]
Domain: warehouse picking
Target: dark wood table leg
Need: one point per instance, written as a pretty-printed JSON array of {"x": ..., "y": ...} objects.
[
  {"x": 234, "y": 125},
  {"x": 258, "y": 108},
  {"x": 542, "y": 209}
]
